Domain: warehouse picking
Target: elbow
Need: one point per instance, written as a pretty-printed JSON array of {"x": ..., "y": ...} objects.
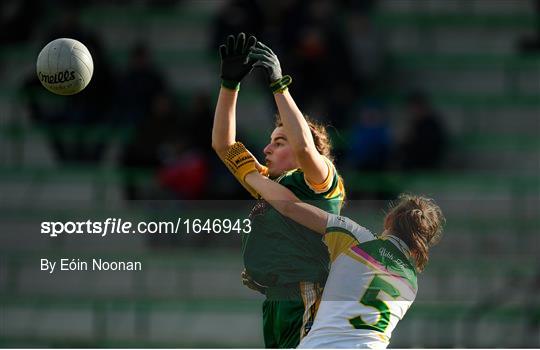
[
  {"x": 220, "y": 148},
  {"x": 216, "y": 147}
]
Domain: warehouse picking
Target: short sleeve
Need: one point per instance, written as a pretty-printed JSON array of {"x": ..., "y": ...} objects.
[
  {"x": 344, "y": 224},
  {"x": 327, "y": 183}
]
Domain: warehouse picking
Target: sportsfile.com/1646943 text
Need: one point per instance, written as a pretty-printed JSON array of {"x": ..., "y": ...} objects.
[{"x": 120, "y": 226}]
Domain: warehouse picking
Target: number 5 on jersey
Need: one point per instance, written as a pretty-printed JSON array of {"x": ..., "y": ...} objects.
[{"x": 370, "y": 298}]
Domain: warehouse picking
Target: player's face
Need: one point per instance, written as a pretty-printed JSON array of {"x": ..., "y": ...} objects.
[{"x": 279, "y": 154}]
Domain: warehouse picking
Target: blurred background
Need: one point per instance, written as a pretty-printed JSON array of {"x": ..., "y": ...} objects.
[{"x": 434, "y": 97}]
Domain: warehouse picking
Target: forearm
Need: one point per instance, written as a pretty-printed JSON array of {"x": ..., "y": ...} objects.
[
  {"x": 224, "y": 128},
  {"x": 294, "y": 123},
  {"x": 300, "y": 138},
  {"x": 270, "y": 190},
  {"x": 287, "y": 204}
]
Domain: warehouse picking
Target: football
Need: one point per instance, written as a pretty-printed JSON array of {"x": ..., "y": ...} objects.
[{"x": 64, "y": 66}]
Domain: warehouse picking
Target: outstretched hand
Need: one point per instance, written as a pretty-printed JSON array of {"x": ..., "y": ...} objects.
[
  {"x": 235, "y": 60},
  {"x": 266, "y": 59}
]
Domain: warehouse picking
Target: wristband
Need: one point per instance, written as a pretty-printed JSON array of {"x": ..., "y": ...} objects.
[
  {"x": 231, "y": 85},
  {"x": 280, "y": 85}
]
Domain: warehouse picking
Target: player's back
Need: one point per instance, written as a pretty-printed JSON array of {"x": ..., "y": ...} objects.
[{"x": 372, "y": 283}]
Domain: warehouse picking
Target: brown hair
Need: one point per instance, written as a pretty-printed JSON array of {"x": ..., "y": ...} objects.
[
  {"x": 418, "y": 221},
  {"x": 319, "y": 134}
]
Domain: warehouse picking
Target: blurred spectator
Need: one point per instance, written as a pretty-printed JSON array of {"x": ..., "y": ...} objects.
[
  {"x": 162, "y": 4},
  {"x": 319, "y": 56},
  {"x": 167, "y": 143},
  {"x": 157, "y": 140},
  {"x": 532, "y": 43},
  {"x": 367, "y": 51},
  {"x": 277, "y": 21},
  {"x": 237, "y": 16},
  {"x": 425, "y": 142},
  {"x": 199, "y": 120},
  {"x": 74, "y": 123},
  {"x": 188, "y": 175},
  {"x": 361, "y": 7},
  {"x": 185, "y": 175},
  {"x": 309, "y": 39},
  {"x": 138, "y": 86},
  {"x": 18, "y": 20},
  {"x": 369, "y": 141},
  {"x": 369, "y": 145}
]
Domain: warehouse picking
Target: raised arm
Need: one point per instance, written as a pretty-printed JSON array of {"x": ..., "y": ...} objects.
[
  {"x": 295, "y": 125},
  {"x": 235, "y": 65},
  {"x": 224, "y": 128},
  {"x": 287, "y": 204},
  {"x": 299, "y": 136}
]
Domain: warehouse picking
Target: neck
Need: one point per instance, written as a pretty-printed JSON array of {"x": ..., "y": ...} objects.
[{"x": 386, "y": 233}]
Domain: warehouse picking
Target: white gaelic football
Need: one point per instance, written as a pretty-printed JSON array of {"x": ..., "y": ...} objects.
[{"x": 65, "y": 66}]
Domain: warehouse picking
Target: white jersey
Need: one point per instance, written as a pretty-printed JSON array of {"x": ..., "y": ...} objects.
[{"x": 371, "y": 284}]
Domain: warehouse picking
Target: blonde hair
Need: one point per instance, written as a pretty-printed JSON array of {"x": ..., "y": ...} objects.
[{"x": 418, "y": 221}]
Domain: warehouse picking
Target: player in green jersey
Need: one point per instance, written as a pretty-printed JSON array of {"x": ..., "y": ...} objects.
[
  {"x": 282, "y": 259},
  {"x": 372, "y": 281}
]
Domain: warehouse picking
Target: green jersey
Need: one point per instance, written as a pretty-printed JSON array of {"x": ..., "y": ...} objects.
[{"x": 279, "y": 251}]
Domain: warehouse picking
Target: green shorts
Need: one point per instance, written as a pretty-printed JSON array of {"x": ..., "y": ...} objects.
[{"x": 288, "y": 313}]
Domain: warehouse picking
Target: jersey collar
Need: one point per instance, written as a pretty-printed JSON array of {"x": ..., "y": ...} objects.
[{"x": 398, "y": 242}]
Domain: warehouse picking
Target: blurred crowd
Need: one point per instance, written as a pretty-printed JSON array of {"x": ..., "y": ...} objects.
[{"x": 333, "y": 50}]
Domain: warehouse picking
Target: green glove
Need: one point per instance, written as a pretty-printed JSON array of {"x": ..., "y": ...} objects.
[
  {"x": 268, "y": 60},
  {"x": 235, "y": 63}
]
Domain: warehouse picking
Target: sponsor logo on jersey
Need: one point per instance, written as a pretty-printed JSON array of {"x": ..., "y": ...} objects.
[{"x": 386, "y": 254}]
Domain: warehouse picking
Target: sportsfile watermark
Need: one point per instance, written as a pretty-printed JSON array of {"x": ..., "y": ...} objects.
[{"x": 102, "y": 228}]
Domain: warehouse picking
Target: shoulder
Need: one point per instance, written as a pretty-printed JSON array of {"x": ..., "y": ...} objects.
[
  {"x": 342, "y": 224},
  {"x": 329, "y": 181},
  {"x": 342, "y": 233},
  {"x": 331, "y": 188}
]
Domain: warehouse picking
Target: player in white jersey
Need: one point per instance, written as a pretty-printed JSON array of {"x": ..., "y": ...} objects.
[
  {"x": 371, "y": 284},
  {"x": 372, "y": 280}
]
